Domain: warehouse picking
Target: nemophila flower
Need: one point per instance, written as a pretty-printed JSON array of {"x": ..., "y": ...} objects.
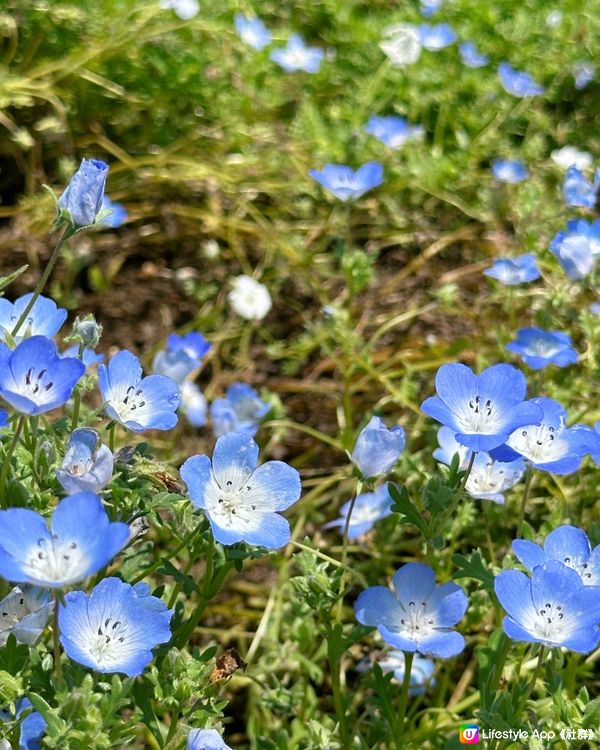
[
  {"x": 570, "y": 156},
  {"x": 418, "y": 615},
  {"x": 118, "y": 214},
  {"x": 539, "y": 348},
  {"x": 205, "y": 739},
  {"x": 368, "y": 508},
  {"x": 595, "y": 308},
  {"x": 113, "y": 628},
  {"x": 34, "y": 379},
  {"x": 488, "y": 479},
  {"x": 240, "y": 411},
  {"x": 577, "y": 191},
  {"x": 252, "y": 31},
  {"x": 24, "y": 613},
  {"x": 136, "y": 402},
  {"x": 509, "y": 170},
  {"x": 402, "y": 44},
  {"x": 296, "y": 55},
  {"x": 44, "y": 318},
  {"x": 32, "y": 725},
  {"x": 437, "y": 36},
  {"x": 182, "y": 356},
  {"x": 4, "y": 421},
  {"x": 193, "y": 403},
  {"x": 583, "y": 72},
  {"x": 517, "y": 270},
  {"x": 549, "y": 445},
  {"x": 577, "y": 248},
  {"x": 345, "y": 183},
  {"x": 80, "y": 541},
  {"x": 87, "y": 465},
  {"x": 471, "y": 57},
  {"x": 82, "y": 200},
  {"x": 430, "y": 7},
  {"x": 553, "y": 607},
  {"x": 249, "y": 298},
  {"x": 88, "y": 357},
  {"x": 421, "y": 673},
  {"x": 394, "y": 132},
  {"x": 567, "y": 544},
  {"x": 482, "y": 410},
  {"x": 517, "y": 82},
  {"x": 184, "y": 9},
  {"x": 377, "y": 448},
  {"x": 242, "y": 502}
]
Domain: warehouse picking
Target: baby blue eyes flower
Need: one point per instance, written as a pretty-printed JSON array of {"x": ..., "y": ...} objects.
[
  {"x": 430, "y": 7},
  {"x": 44, "y": 319},
  {"x": 377, "y": 449},
  {"x": 471, "y": 57},
  {"x": 578, "y": 248},
  {"x": 136, "y": 402},
  {"x": 205, "y": 739},
  {"x": 240, "y": 411},
  {"x": 32, "y": 726},
  {"x": 242, "y": 502},
  {"x": 418, "y": 615},
  {"x": 24, "y": 613},
  {"x": 421, "y": 673},
  {"x": 553, "y": 607},
  {"x": 87, "y": 465},
  {"x": 82, "y": 200},
  {"x": 368, "y": 508},
  {"x": 114, "y": 628},
  {"x": 567, "y": 544},
  {"x": 509, "y": 170},
  {"x": 517, "y": 83},
  {"x": 184, "y": 9},
  {"x": 583, "y": 72},
  {"x": 296, "y": 55},
  {"x": 182, "y": 356},
  {"x": 80, "y": 541},
  {"x": 252, "y": 31},
  {"x": 34, "y": 379},
  {"x": 89, "y": 356},
  {"x": 118, "y": 216},
  {"x": 517, "y": 270},
  {"x": 539, "y": 348},
  {"x": 482, "y": 410},
  {"x": 436, "y": 37},
  {"x": 577, "y": 191},
  {"x": 347, "y": 184},
  {"x": 394, "y": 132},
  {"x": 193, "y": 403}
]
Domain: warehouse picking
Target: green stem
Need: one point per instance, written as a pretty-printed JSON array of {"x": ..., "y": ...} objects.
[
  {"x": 536, "y": 672},
  {"x": 184, "y": 543},
  {"x": 111, "y": 437},
  {"x": 338, "y": 700},
  {"x": 526, "y": 489},
  {"x": 55, "y": 638},
  {"x": 7, "y": 457},
  {"x": 338, "y": 611},
  {"x": 69, "y": 232},
  {"x": 408, "y": 660},
  {"x": 77, "y": 396},
  {"x": 463, "y": 482}
]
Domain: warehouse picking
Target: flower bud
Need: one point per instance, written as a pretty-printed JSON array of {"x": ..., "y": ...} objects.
[
  {"x": 377, "y": 449},
  {"x": 86, "y": 331},
  {"x": 82, "y": 200}
]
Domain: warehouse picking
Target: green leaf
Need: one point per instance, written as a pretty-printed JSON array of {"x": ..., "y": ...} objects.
[
  {"x": 405, "y": 508},
  {"x": 474, "y": 567}
]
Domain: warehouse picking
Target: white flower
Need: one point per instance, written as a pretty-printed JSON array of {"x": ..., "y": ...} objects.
[
  {"x": 184, "y": 9},
  {"x": 554, "y": 19},
  {"x": 249, "y": 298},
  {"x": 568, "y": 156},
  {"x": 402, "y": 44}
]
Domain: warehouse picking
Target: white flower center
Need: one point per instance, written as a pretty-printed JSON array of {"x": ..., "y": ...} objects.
[
  {"x": 37, "y": 386},
  {"x": 56, "y": 560},
  {"x": 416, "y": 620},
  {"x": 234, "y": 503},
  {"x": 539, "y": 443},
  {"x": 479, "y": 416},
  {"x": 134, "y": 399},
  {"x": 551, "y": 623},
  {"x": 542, "y": 347},
  {"x": 109, "y": 637}
]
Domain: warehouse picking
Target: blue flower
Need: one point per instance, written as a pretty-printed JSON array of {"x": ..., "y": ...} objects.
[
  {"x": 429, "y": 7},
  {"x": 437, "y": 36},
  {"x": 183, "y": 355},
  {"x": 33, "y": 726},
  {"x": 488, "y": 479},
  {"x": 471, "y": 57},
  {"x": 193, "y": 403},
  {"x": 368, "y": 508},
  {"x": 25, "y": 613},
  {"x": 118, "y": 216},
  {"x": 482, "y": 410},
  {"x": 80, "y": 541},
  {"x": 184, "y": 9},
  {"x": 345, "y": 183},
  {"x": 34, "y": 379},
  {"x": 567, "y": 544},
  {"x": 584, "y": 72},
  {"x": 514, "y": 270},
  {"x": 421, "y": 673},
  {"x": 553, "y": 607},
  {"x": 240, "y": 411},
  {"x": 82, "y": 200},
  {"x": 549, "y": 445},
  {"x": 137, "y": 403},
  {"x": 393, "y": 131},
  {"x": 577, "y": 248},
  {"x": 89, "y": 356},
  {"x": 577, "y": 191},
  {"x": 114, "y": 628},
  {"x": 205, "y": 739},
  {"x": 539, "y": 348},
  {"x": 595, "y": 452},
  {"x": 517, "y": 83},
  {"x": 4, "y": 421},
  {"x": 418, "y": 615},
  {"x": 87, "y": 465},
  {"x": 595, "y": 308},
  {"x": 377, "y": 449},
  {"x": 296, "y": 55},
  {"x": 252, "y": 31},
  {"x": 509, "y": 170},
  {"x": 242, "y": 502},
  {"x": 44, "y": 319}
]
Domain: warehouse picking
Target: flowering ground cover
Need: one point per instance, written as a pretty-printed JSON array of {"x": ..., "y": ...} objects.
[{"x": 299, "y": 420}]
